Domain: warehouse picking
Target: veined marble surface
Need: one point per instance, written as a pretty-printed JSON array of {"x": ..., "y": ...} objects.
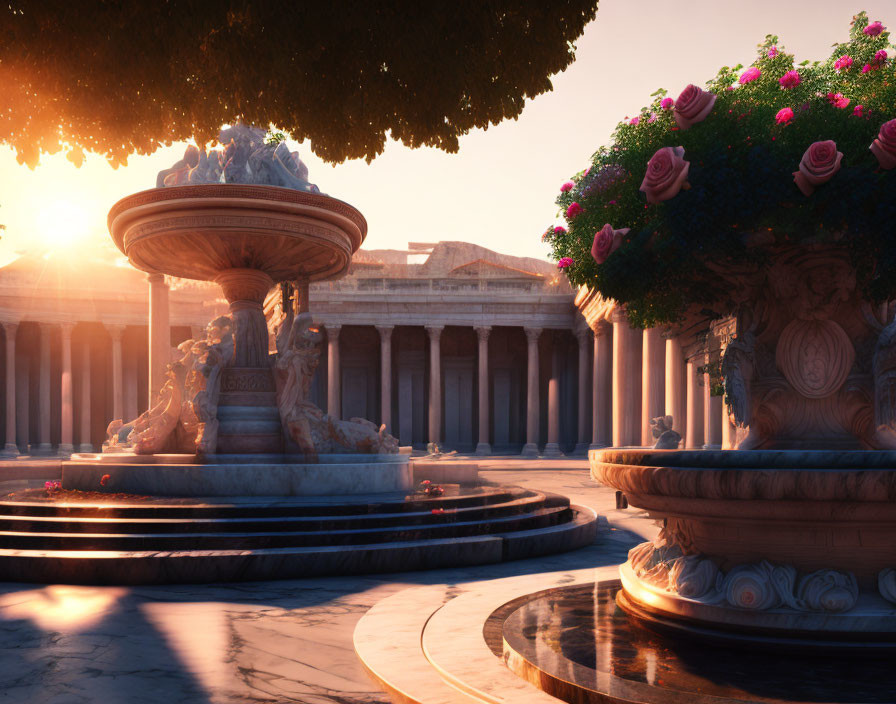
[{"x": 288, "y": 641}]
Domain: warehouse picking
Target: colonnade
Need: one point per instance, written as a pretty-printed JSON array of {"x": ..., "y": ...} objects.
[
  {"x": 640, "y": 375},
  {"x": 17, "y": 387}
]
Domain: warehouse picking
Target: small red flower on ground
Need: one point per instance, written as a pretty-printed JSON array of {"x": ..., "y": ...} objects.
[{"x": 104, "y": 480}]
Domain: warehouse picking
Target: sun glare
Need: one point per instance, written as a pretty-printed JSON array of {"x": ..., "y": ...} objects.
[{"x": 62, "y": 223}]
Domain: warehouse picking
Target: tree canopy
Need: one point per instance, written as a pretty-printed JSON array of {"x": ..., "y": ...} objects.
[{"x": 118, "y": 77}]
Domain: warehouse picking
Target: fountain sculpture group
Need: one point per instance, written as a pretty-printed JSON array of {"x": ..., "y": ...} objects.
[{"x": 246, "y": 217}]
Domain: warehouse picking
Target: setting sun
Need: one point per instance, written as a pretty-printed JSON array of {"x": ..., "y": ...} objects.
[{"x": 62, "y": 223}]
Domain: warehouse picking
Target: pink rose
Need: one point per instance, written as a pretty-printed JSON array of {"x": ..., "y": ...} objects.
[
  {"x": 667, "y": 174},
  {"x": 573, "y": 210},
  {"x": 880, "y": 56},
  {"x": 884, "y": 147},
  {"x": 837, "y": 100},
  {"x": 873, "y": 29},
  {"x": 559, "y": 230},
  {"x": 751, "y": 74},
  {"x": 791, "y": 79},
  {"x": 666, "y": 103},
  {"x": 844, "y": 61},
  {"x": 587, "y": 171},
  {"x": 692, "y": 106},
  {"x": 784, "y": 116},
  {"x": 568, "y": 186},
  {"x": 866, "y": 68},
  {"x": 606, "y": 241},
  {"x": 857, "y": 110},
  {"x": 818, "y": 165},
  {"x": 564, "y": 262},
  {"x": 634, "y": 121},
  {"x": 773, "y": 52}
]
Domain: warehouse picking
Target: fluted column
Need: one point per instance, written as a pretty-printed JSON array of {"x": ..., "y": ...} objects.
[
  {"x": 676, "y": 403},
  {"x": 552, "y": 448},
  {"x": 385, "y": 332},
  {"x": 653, "y": 381},
  {"x": 483, "y": 447},
  {"x": 601, "y": 387},
  {"x": 159, "y": 335},
  {"x": 334, "y": 372},
  {"x": 10, "y": 449},
  {"x": 115, "y": 332},
  {"x": 43, "y": 393},
  {"x": 583, "y": 337},
  {"x": 67, "y": 410},
  {"x": 435, "y": 382},
  {"x": 694, "y": 433},
  {"x": 86, "y": 445},
  {"x": 626, "y": 420},
  {"x": 530, "y": 449}
]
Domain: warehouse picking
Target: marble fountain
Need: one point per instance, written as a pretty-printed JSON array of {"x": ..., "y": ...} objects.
[
  {"x": 773, "y": 576},
  {"x": 234, "y": 474}
]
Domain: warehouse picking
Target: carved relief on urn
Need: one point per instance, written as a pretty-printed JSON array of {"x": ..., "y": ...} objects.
[{"x": 799, "y": 372}]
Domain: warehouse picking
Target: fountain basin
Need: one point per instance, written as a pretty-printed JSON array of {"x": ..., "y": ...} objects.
[
  {"x": 200, "y": 231},
  {"x": 780, "y": 540},
  {"x": 239, "y": 475}
]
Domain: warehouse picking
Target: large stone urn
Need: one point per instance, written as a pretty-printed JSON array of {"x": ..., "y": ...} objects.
[{"x": 793, "y": 534}]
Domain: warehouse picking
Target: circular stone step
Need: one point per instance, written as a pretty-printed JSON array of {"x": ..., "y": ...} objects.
[{"x": 165, "y": 540}]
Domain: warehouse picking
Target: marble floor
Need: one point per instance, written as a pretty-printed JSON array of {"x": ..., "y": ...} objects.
[{"x": 288, "y": 641}]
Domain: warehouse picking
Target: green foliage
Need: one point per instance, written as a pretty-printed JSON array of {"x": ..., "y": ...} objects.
[
  {"x": 274, "y": 138},
  {"x": 122, "y": 76},
  {"x": 741, "y": 185}
]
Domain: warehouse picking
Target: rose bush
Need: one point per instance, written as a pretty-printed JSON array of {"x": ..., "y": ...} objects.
[{"x": 742, "y": 143}]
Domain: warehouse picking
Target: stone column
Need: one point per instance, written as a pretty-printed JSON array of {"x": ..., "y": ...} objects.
[
  {"x": 601, "y": 387},
  {"x": 694, "y": 434},
  {"x": 115, "y": 332},
  {"x": 66, "y": 446},
  {"x": 653, "y": 382},
  {"x": 530, "y": 449},
  {"x": 583, "y": 337},
  {"x": 552, "y": 448},
  {"x": 712, "y": 415},
  {"x": 435, "y": 382},
  {"x": 11, "y": 449},
  {"x": 334, "y": 372},
  {"x": 43, "y": 393},
  {"x": 676, "y": 405},
  {"x": 483, "y": 447},
  {"x": 626, "y": 424},
  {"x": 385, "y": 332},
  {"x": 159, "y": 335},
  {"x": 86, "y": 445}
]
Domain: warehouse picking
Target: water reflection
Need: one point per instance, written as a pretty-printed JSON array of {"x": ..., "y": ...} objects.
[{"x": 578, "y": 634}]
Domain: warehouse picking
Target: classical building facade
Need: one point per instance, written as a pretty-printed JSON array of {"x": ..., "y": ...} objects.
[{"x": 449, "y": 343}]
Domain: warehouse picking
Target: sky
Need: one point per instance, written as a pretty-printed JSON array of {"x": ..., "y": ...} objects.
[{"x": 499, "y": 189}]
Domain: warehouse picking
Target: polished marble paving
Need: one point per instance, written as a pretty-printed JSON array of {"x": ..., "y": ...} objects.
[{"x": 287, "y": 641}]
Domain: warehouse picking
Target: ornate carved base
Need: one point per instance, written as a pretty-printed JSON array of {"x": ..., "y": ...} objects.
[{"x": 661, "y": 584}]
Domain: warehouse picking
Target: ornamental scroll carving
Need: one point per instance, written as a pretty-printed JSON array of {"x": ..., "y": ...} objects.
[{"x": 756, "y": 587}]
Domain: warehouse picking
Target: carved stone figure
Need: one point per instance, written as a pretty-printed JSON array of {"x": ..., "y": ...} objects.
[
  {"x": 185, "y": 418},
  {"x": 666, "y": 438},
  {"x": 737, "y": 371},
  {"x": 884, "y": 371},
  {"x": 312, "y": 430},
  {"x": 246, "y": 158}
]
